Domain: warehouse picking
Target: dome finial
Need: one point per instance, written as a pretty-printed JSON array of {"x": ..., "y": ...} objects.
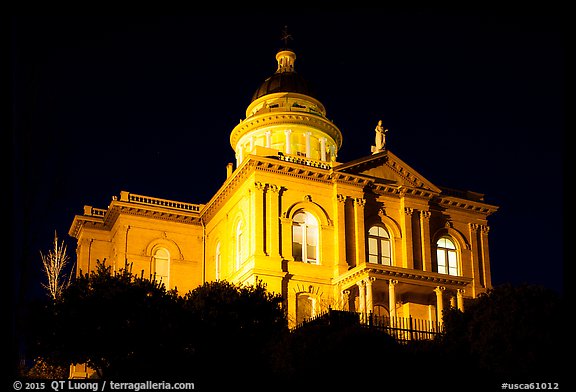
[
  {"x": 285, "y": 56},
  {"x": 286, "y": 37}
]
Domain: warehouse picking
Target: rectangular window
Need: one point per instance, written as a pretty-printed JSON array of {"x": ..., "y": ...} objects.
[
  {"x": 385, "y": 249},
  {"x": 311, "y": 244},
  {"x": 452, "y": 263},
  {"x": 297, "y": 242},
  {"x": 441, "y": 257}
]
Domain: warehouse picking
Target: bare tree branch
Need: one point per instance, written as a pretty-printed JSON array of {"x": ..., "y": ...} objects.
[{"x": 54, "y": 263}]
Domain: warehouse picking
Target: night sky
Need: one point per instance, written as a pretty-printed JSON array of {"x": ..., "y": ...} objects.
[{"x": 472, "y": 100}]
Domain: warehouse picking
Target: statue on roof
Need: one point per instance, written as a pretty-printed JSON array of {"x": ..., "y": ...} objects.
[{"x": 380, "y": 138}]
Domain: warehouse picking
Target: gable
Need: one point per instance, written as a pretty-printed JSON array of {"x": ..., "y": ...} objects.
[{"x": 387, "y": 168}]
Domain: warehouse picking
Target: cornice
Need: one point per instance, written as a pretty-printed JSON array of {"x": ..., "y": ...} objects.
[
  {"x": 226, "y": 190},
  {"x": 457, "y": 203},
  {"x": 405, "y": 275},
  {"x": 286, "y": 118},
  {"x": 136, "y": 205}
]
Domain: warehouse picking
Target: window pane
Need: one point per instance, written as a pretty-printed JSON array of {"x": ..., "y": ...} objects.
[
  {"x": 372, "y": 246},
  {"x": 297, "y": 251},
  {"x": 383, "y": 233},
  {"x": 452, "y": 263},
  {"x": 311, "y": 252},
  {"x": 311, "y": 236},
  {"x": 441, "y": 256},
  {"x": 373, "y": 258},
  {"x": 304, "y": 308},
  {"x": 310, "y": 220},
  {"x": 297, "y": 234},
  {"x": 373, "y": 231},
  {"x": 449, "y": 244},
  {"x": 300, "y": 217},
  {"x": 385, "y": 248}
]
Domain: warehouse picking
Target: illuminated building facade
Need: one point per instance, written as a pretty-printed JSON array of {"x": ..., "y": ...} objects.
[{"x": 371, "y": 235}]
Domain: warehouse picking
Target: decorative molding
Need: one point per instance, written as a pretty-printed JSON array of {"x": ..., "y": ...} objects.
[{"x": 425, "y": 215}]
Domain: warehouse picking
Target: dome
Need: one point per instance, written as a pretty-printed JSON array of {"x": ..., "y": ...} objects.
[
  {"x": 285, "y": 82},
  {"x": 285, "y": 79}
]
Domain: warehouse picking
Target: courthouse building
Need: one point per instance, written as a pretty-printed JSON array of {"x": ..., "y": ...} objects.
[{"x": 371, "y": 235}]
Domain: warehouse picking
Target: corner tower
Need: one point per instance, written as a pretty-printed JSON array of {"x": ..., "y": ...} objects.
[{"x": 285, "y": 117}]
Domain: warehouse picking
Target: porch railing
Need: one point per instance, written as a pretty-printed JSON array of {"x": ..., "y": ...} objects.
[{"x": 401, "y": 328}]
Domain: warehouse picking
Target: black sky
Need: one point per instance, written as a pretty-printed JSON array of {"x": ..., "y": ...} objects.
[{"x": 473, "y": 100}]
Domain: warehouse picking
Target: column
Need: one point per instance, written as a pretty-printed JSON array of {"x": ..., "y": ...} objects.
[
  {"x": 258, "y": 232},
  {"x": 439, "y": 302},
  {"x": 392, "y": 297},
  {"x": 475, "y": 257},
  {"x": 407, "y": 245},
  {"x": 359, "y": 235},
  {"x": 268, "y": 139},
  {"x": 485, "y": 256},
  {"x": 288, "y": 134},
  {"x": 273, "y": 232},
  {"x": 323, "y": 148},
  {"x": 346, "y": 300},
  {"x": 425, "y": 240},
  {"x": 362, "y": 299},
  {"x": 460, "y": 299},
  {"x": 239, "y": 156},
  {"x": 369, "y": 303},
  {"x": 340, "y": 234},
  {"x": 308, "y": 147}
]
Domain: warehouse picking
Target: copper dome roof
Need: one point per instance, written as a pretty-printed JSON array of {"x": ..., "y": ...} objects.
[{"x": 285, "y": 79}]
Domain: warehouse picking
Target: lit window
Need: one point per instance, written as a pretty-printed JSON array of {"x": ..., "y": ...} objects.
[
  {"x": 305, "y": 238},
  {"x": 305, "y": 308},
  {"x": 447, "y": 256},
  {"x": 379, "y": 246},
  {"x": 217, "y": 260},
  {"x": 381, "y": 316},
  {"x": 161, "y": 267},
  {"x": 239, "y": 244}
]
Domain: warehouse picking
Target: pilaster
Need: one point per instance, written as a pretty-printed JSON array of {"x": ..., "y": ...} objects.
[
  {"x": 425, "y": 240},
  {"x": 258, "y": 219},
  {"x": 392, "y": 297},
  {"x": 273, "y": 210},
  {"x": 340, "y": 234},
  {"x": 439, "y": 290},
  {"x": 359, "y": 234},
  {"x": 407, "y": 243}
]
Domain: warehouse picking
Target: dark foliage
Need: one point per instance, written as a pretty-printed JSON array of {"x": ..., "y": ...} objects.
[
  {"x": 128, "y": 327},
  {"x": 222, "y": 335},
  {"x": 509, "y": 333}
]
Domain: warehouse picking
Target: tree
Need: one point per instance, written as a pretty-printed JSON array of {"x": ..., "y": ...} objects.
[
  {"x": 117, "y": 323},
  {"x": 127, "y": 326},
  {"x": 238, "y": 324},
  {"x": 54, "y": 264},
  {"x": 510, "y": 332}
]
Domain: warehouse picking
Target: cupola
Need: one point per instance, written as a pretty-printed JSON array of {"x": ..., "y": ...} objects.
[{"x": 284, "y": 117}]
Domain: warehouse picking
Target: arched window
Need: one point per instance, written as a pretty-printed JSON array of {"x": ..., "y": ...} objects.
[
  {"x": 381, "y": 316},
  {"x": 379, "y": 246},
  {"x": 217, "y": 260},
  {"x": 305, "y": 307},
  {"x": 239, "y": 244},
  {"x": 305, "y": 237},
  {"x": 447, "y": 256},
  {"x": 161, "y": 266}
]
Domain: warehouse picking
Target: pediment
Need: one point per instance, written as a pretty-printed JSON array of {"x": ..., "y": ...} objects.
[{"x": 385, "y": 167}]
